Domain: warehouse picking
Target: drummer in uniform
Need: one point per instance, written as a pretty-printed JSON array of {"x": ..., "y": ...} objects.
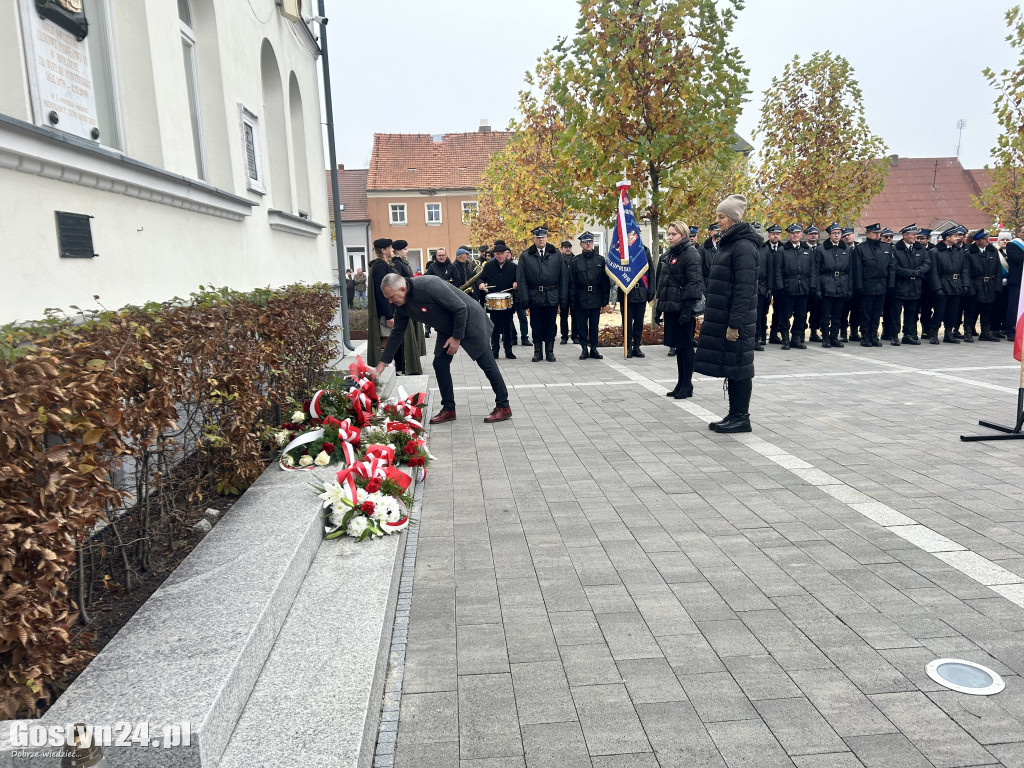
[{"x": 498, "y": 280}]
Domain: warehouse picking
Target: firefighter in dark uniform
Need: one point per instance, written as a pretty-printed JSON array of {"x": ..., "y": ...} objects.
[
  {"x": 566, "y": 314},
  {"x": 766, "y": 282},
  {"x": 499, "y": 276},
  {"x": 950, "y": 277},
  {"x": 851, "y": 314},
  {"x": 796, "y": 278},
  {"x": 924, "y": 239},
  {"x": 872, "y": 271},
  {"x": 911, "y": 264},
  {"x": 589, "y": 288},
  {"x": 886, "y": 240},
  {"x": 835, "y": 283},
  {"x": 812, "y": 237},
  {"x": 544, "y": 287},
  {"x": 987, "y": 277}
]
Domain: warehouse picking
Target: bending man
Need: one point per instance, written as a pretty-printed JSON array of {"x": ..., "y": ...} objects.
[{"x": 460, "y": 322}]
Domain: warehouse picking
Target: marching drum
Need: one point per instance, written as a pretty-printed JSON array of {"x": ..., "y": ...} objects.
[{"x": 499, "y": 301}]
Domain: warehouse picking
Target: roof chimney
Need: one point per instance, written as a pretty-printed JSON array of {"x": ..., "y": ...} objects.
[
  {"x": 438, "y": 138},
  {"x": 341, "y": 166},
  {"x": 485, "y": 127},
  {"x": 894, "y": 160}
]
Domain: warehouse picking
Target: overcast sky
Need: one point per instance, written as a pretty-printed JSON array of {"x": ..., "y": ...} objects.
[{"x": 408, "y": 66}]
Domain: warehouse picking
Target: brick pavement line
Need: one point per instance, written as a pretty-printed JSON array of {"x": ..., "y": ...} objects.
[
  {"x": 929, "y": 372},
  {"x": 971, "y": 564}
]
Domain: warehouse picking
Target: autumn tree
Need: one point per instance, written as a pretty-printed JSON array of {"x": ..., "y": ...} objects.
[
  {"x": 524, "y": 185},
  {"x": 692, "y": 194},
  {"x": 647, "y": 87},
  {"x": 1004, "y": 200},
  {"x": 819, "y": 160}
]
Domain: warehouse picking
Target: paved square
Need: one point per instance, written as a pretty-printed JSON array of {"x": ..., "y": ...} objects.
[{"x": 604, "y": 582}]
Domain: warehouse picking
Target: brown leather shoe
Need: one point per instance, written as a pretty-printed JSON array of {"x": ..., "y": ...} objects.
[
  {"x": 498, "y": 414},
  {"x": 443, "y": 416}
]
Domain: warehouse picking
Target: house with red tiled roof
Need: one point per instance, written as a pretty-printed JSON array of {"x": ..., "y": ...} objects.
[
  {"x": 355, "y": 220},
  {"x": 422, "y": 188},
  {"x": 932, "y": 192}
]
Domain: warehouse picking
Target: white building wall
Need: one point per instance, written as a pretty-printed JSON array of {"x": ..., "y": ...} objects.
[{"x": 158, "y": 231}]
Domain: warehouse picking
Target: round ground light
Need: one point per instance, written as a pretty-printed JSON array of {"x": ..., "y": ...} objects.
[{"x": 965, "y": 677}]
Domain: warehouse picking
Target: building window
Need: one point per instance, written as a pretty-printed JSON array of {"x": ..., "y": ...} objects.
[
  {"x": 433, "y": 213},
  {"x": 468, "y": 211},
  {"x": 398, "y": 214},
  {"x": 251, "y": 150},
  {"x": 415, "y": 256},
  {"x": 432, "y": 253},
  {"x": 188, "y": 51},
  {"x": 104, "y": 73}
]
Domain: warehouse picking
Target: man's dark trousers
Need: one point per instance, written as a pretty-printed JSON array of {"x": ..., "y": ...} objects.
[{"x": 443, "y": 372}]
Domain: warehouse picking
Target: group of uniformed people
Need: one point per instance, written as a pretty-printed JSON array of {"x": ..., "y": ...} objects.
[{"x": 844, "y": 290}]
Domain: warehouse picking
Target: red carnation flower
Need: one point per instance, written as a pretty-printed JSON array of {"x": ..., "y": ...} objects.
[
  {"x": 373, "y": 485},
  {"x": 411, "y": 449},
  {"x": 367, "y": 507},
  {"x": 328, "y": 448}
]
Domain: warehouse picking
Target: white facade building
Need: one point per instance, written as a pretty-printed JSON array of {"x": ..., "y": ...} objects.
[{"x": 184, "y": 137}]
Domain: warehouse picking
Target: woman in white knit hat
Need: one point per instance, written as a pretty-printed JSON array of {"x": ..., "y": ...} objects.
[{"x": 727, "y": 336}]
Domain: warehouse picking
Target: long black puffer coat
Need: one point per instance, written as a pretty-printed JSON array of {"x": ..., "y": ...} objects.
[{"x": 732, "y": 303}]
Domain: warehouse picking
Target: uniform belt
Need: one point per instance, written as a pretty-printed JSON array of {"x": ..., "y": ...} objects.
[
  {"x": 987, "y": 279},
  {"x": 543, "y": 288},
  {"x": 913, "y": 277},
  {"x": 590, "y": 288},
  {"x": 955, "y": 277},
  {"x": 837, "y": 274}
]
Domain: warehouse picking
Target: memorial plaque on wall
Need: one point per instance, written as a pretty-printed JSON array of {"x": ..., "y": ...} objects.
[{"x": 59, "y": 74}]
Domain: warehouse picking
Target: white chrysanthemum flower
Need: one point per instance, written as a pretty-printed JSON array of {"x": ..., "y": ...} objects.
[
  {"x": 322, "y": 459},
  {"x": 281, "y": 437},
  {"x": 298, "y": 417},
  {"x": 305, "y": 461},
  {"x": 387, "y": 509},
  {"x": 357, "y": 525},
  {"x": 287, "y": 460}
]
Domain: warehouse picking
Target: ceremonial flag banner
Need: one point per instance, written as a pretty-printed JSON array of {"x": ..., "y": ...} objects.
[
  {"x": 626, "y": 261},
  {"x": 1018, "y": 334}
]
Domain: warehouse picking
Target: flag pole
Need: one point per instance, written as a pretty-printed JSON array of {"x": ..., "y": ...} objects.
[
  {"x": 1014, "y": 432},
  {"x": 625, "y": 324}
]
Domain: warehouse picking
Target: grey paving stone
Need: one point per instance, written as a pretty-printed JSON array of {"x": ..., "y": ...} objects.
[
  {"x": 663, "y": 614},
  {"x": 748, "y": 744},
  {"x": 488, "y": 722},
  {"x": 559, "y": 745},
  {"x": 650, "y": 681},
  {"x": 589, "y": 665},
  {"x": 627, "y": 636},
  {"x": 690, "y": 654},
  {"x": 1010, "y": 755},
  {"x": 481, "y": 649},
  {"x": 530, "y": 638},
  {"x": 931, "y": 730},
  {"x": 642, "y": 760},
  {"x": 831, "y": 760},
  {"x": 887, "y": 750},
  {"x": 494, "y": 762},
  {"x": 437, "y": 755},
  {"x": 841, "y": 703},
  {"x": 799, "y": 727},
  {"x": 609, "y": 721},
  {"x": 716, "y": 697},
  {"x": 610, "y": 598},
  {"x": 542, "y": 693},
  {"x": 430, "y": 665},
  {"x": 761, "y": 677},
  {"x": 678, "y": 737},
  {"x": 981, "y": 716},
  {"x": 730, "y": 638},
  {"x": 428, "y": 718},
  {"x": 575, "y": 628}
]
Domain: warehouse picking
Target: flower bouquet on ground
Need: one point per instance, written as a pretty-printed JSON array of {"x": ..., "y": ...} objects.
[
  {"x": 367, "y": 500},
  {"x": 330, "y": 441}
]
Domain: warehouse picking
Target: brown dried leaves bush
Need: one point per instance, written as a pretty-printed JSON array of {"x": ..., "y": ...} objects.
[{"x": 81, "y": 396}]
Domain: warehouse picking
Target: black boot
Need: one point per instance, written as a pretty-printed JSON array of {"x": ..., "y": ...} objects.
[
  {"x": 815, "y": 336},
  {"x": 538, "y": 352},
  {"x": 739, "y": 408},
  {"x": 565, "y": 340},
  {"x": 637, "y": 352},
  {"x": 494, "y": 351},
  {"x": 584, "y": 355},
  {"x": 949, "y": 338},
  {"x": 835, "y": 342},
  {"x": 549, "y": 347},
  {"x": 825, "y": 341},
  {"x": 785, "y": 339},
  {"x": 797, "y": 342},
  {"x": 526, "y": 341},
  {"x": 895, "y": 339},
  {"x": 595, "y": 355},
  {"x": 509, "y": 354},
  {"x": 671, "y": 351}
]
